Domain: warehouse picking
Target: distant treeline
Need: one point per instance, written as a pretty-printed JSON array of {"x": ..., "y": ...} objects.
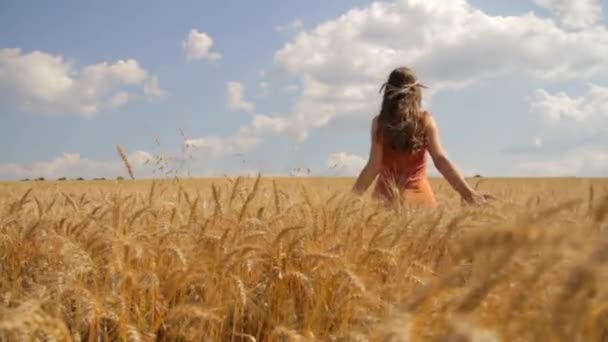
[{"x": 61, "y": 179}]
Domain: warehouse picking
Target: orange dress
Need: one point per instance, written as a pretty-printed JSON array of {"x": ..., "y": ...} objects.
[{"x": 403, "y": 175}]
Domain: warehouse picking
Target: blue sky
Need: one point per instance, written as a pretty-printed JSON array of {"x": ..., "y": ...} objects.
[{"x": 518, "y": 88}]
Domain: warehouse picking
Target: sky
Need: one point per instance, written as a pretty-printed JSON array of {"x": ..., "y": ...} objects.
[{"x": 200, "y": 88}]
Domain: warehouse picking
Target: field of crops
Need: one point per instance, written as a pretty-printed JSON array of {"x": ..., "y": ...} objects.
[{"x": 301, "y": 260}]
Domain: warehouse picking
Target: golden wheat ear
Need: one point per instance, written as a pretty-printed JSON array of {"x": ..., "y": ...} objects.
[{"x": 125, "y": 160}]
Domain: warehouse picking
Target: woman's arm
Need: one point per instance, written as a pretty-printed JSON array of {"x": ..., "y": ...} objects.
[
  {"x": 447, "y": 168},
  {"x": 374, "y": 163}
]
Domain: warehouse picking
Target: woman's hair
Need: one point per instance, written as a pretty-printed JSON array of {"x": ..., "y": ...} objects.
[{"x": 400, "y": 121}]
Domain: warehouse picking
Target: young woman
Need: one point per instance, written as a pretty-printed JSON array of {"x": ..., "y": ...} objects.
[{"x": 400, "y": 137}]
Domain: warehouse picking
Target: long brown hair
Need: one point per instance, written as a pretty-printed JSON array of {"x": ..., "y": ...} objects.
[{"x": 400, "y": 121}]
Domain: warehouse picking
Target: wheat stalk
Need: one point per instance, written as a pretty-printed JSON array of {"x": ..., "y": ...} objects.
[
  {"x": 150, "y": 261},
  {"x": 125, "y": 161}
]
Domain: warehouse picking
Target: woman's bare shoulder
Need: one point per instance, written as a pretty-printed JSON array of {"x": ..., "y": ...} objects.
[
  {"x": 375, "y": 121},
  {"x": 428, "y": 118},
  {"x": 374, "y": 128}
]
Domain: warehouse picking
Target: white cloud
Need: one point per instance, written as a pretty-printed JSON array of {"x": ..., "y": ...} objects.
[
  {"x": 582, "y": 161},
  {"x": 568, "y": 119},
  {"x": 236, "y": 98},
  {"x": 559, "y": 107},
  {"x": 119, "y": 99},
  {"x": 151, "y": 87},
  {"x": 42, "y": 83},
  {"x": 554, "y": 108},
  {"x": 570, "y": 137},
  {"x": 291, "y": 27},
  {"x": 198, "y": 46},
  {"x": 73, "y": 165},
  {"x": 451, "y": 44},
  {"x": 263, "y": 123},
  {"x": 574, "y": 14},
  {"x": 248, "y": 137},
  {"x": 139, "y": 158},
  {"x": 348, "y": 164},
  {"x": 214, "y": 144},
  {"x": 222, "y": 146}
]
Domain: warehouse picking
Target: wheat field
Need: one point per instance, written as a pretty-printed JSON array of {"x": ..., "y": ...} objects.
[{"x": 299, "y": 259}]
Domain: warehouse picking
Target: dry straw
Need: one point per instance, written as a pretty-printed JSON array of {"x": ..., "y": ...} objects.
[{"x": 300, "y": 260}]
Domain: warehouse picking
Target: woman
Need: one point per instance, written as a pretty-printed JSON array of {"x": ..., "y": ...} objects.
[{"x": 400, "y": 137}]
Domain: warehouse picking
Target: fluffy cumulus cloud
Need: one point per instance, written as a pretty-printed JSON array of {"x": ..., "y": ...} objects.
[
  {"x": 198, "y": 46},
  {"x": 236, "y": 98},
  {"x": 264, "y": 124},
  {"x": 341, "y": 63},
  {"x": 585, "y": 160},
  {"x": 345, "y": 163},
  {"x": 249, "y": 135},
  {"x": 571, "y": 134},
  {"x": 590, "y": 108},
  {"x": 223, "y": 146},
  {"x": 571, "y": 119},
  {"x": 73, "y": 165},
  {"x": 42, "y": 83},
  {"x": 574, "y": 14},
  {"x": 152, "y": 88}
]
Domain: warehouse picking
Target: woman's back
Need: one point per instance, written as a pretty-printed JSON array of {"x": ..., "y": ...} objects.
[
  {"x": 410, "y": 166},
  {"x": 404, "y": 172}
]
